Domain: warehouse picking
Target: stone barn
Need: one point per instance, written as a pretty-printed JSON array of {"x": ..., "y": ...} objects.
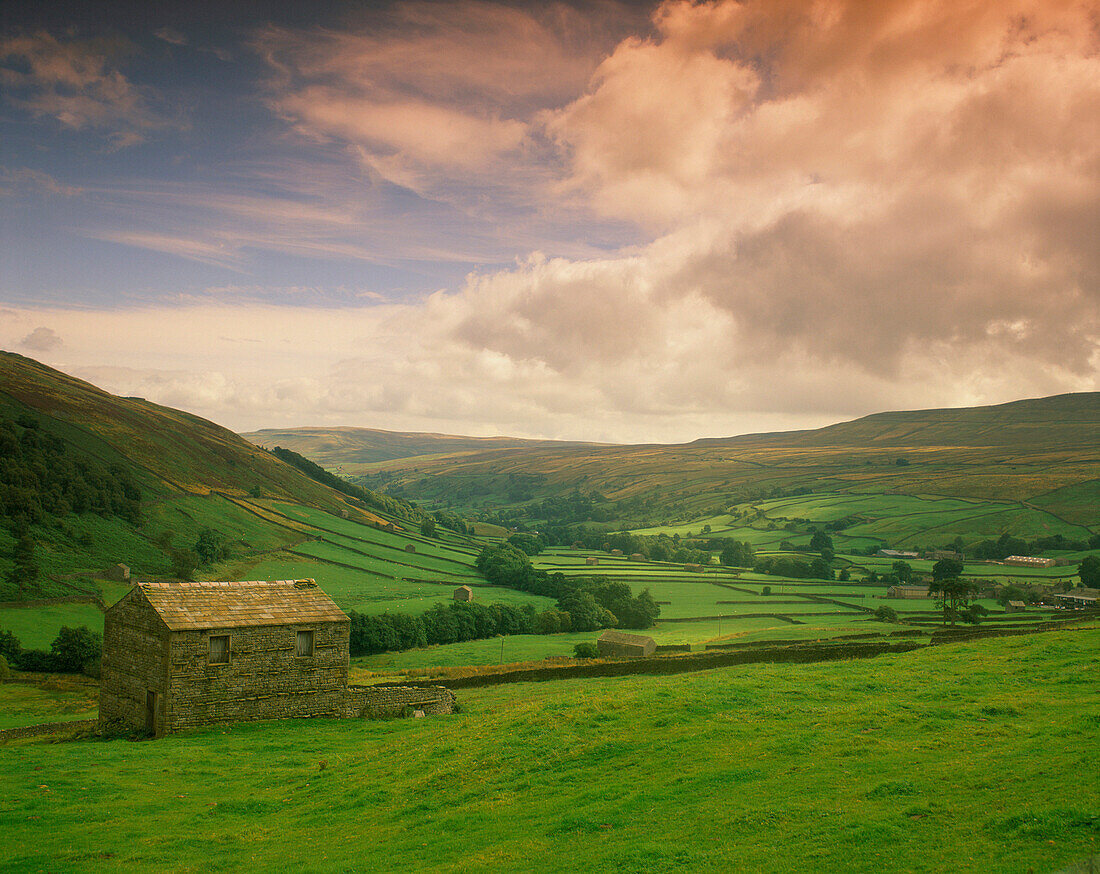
[
  {"x": 119, "y": 573},
  {"x": 464, "y": 593},
  {"x": 637, "y": 557},
  {"x": 591, "y": 560},
  {"x": 1015, "y": 607},
  {"x": 616, "y": 552},
  {"x": 178, "y": 655},
  {"x": 182, "y": 655},
  {"x": 619, "y": 643}
]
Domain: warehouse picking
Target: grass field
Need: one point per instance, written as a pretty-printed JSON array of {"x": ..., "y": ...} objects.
[{"x": 974, "y": 757}]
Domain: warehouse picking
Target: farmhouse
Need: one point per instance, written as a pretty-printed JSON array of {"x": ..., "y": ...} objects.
[
  {"x": 180, "y": 655},
  {"x": 464, "y": 593},
  {"x": 1029, "y": 561},
  {"x": 1079, "y": 598},
  {"x": 619, "y": 643},
  {"x": 907, "y": 592}
]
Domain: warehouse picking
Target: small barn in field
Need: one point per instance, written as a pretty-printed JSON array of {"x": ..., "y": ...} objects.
[
  {"x": 1015, "y": 607},
  {"x": 620, "y": 644},
  {"x": 591, "y": 560},
  {"x": 178, "y": 655},
  {"x": 637, "y": 556},
  {"x": 119, "y": 573},
  {"x": 464, "y": 593},
  {"x": 907, "y": 591},
  {"x": 616, "y": 552}
]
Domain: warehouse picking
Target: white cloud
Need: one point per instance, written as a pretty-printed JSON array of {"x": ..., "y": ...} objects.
[{"x": 41, "y": 339}]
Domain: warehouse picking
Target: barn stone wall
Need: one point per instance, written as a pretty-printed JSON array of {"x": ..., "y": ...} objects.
[
  {"x": 264, "y": 679},
  {"x": 135, "y": 662},
  {"x": 371, "y": 701}
]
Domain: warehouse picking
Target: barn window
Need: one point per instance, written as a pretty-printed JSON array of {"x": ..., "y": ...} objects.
[
  {"x": 305, "y": 643},
  {"x": 219, "y": 649}
]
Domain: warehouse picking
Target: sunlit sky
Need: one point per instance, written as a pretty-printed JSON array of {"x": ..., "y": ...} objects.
[{"x": 601, "y": 221}]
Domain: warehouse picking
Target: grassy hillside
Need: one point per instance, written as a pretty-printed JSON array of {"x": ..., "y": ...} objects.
[
  {"x": 974, "y": 757},
  {"x": 1036, "y": 462},
  {"x": 90, "y": 479}
]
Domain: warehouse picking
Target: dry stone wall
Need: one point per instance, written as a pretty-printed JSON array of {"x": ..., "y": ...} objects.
[{"x": 377, "y": 701}]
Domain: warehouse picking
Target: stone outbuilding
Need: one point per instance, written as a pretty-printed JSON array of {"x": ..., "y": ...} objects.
[
  {"x": 616, "y": 552},
  {"x": 464, "y": 593},
  {"x": 907, "y": 591},
  {"x": 619, "y": 643},
  {"x": 637, "y": 556},
  {"x": 1015, "y": 607},
  {"x": 591, "y": 560},
  {"x": 119, "y": 573},
  {"x": 182, "y": 655}
]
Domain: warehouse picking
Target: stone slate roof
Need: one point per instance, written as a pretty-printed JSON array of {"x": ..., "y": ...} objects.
[
  {"x": 622, "y": 637},
  {"x": 193, "y": 606}
]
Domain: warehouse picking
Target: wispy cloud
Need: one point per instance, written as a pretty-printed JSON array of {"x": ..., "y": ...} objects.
[{"x": 77, "y": 84}]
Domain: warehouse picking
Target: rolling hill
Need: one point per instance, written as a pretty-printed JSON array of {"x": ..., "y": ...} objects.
[
  {"x": 348, "y": 448},
  {"x": 90, "y": 479},
  {"x": 1032, "y": 456}
]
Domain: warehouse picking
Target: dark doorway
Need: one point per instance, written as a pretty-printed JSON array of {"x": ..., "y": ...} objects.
[{"x": 151, "y": 712}]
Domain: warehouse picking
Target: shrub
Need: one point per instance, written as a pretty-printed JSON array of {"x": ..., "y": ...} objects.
[
  {"x": 585, "y": 651},
  {"x": 886, "y": 614},
  {"x": 767, "y": 590}
]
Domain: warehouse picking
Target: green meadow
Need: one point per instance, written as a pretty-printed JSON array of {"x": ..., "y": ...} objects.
[{"x": 976, "y": 757}]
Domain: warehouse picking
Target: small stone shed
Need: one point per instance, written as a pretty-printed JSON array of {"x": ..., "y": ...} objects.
[
  {"x": 904, "y": 591},
  {"x": 1015, "y": 607},
  {"x": 591, "y": 560},
  {"x": 182, "y": 655},
  {"x": 119, "y": 573},
  {"x": 619, "y": 643},
  {"x": 464, "y": 593}
]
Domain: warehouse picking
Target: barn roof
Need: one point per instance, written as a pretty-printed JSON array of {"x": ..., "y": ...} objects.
[
  {"x": 191, "y": 606},
  {"x": 622, "y": 637}
]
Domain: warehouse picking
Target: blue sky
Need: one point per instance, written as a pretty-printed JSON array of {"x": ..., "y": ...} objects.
[{"x": 590, "y": 220}]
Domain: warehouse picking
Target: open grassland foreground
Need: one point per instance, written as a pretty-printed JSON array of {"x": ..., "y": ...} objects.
[{"x": 978, "y": 757}]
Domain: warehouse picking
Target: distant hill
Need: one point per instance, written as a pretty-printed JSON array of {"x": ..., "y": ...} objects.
[
  {"x": 1043, "y": 452},
  {"x": 344, "y": 446},
  {"x": 1062, "y": 421},
  {"x": 90, "y": 479}
]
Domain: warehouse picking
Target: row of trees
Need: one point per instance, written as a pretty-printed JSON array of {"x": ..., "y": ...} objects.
[
  {"x": 590, "y": 604},
  {"x": 449, "y": 623}
]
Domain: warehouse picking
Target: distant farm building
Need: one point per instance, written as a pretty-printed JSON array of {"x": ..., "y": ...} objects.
[
  {"x": 907, "y": 592},
  {"x": 895, "y": 553},
  {"x": 1029, "y": 561},
  {"x": 937, "y": 554},
  {"x": 181, "y": 655},
  {"x": 464, "y": 593},
  {"x": 119, "y": 573},
  {"x": 1015, "y": 607},
  {"x": 619, "y": 643},
  {"x": 637, "y": 557},
  {"x": 591, "y": 560},
  {"x": 616, "y": 552},
  {"x": 694, "y": 568},
  {"x": 1078, "y": 598},
  {"x": 410, "y": 547}
]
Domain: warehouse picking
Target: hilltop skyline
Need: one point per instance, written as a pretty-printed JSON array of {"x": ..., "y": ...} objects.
[{"x": 599, "y": 221}]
